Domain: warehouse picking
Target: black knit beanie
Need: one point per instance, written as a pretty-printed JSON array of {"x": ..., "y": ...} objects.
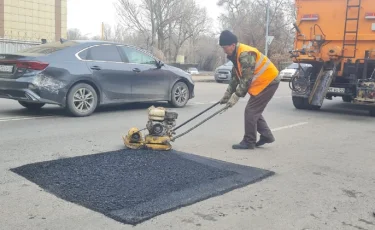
[{"x": 227, "y": 38}]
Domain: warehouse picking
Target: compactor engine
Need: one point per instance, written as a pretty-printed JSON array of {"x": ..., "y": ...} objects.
[
  {"x": 160, "y": 126},
  {"x": 161, "y": 122}
]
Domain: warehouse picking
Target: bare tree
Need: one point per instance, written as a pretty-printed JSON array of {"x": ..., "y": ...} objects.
[
  {"x": 193, "y": 23},
  {"x": 120, "y": 34},
  {"x": 247, "y": 19},
  {"x": 149, "y": 17},
  {"x": 75, "y": 34},
  {"x": 165, "y": 24},
  {"x": 208, "y": 54},
  {"x": 133, "y": 18},
  {"x": 107, "y": 32}
]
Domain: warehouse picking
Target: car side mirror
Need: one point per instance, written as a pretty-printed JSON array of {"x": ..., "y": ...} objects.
[{"x": 159, "y": 64}]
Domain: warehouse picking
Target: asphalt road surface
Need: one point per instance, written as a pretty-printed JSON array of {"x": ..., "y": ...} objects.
[{"x": 324, "y": 163}]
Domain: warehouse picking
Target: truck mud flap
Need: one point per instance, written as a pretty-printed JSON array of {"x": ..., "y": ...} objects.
[{"x": 321, "y": 86}]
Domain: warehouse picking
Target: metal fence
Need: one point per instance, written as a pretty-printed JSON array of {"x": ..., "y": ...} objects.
[{"x": 13, "y": 45}]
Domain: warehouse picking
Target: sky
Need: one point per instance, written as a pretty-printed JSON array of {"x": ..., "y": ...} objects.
[{"x": 87, "y": 15}]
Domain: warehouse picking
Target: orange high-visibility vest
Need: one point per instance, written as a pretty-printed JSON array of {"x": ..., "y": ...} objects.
[{"x": 265, "y": 71}]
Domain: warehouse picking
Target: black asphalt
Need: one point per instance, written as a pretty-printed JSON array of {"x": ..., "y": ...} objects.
[{"x": 132, "y": 186}]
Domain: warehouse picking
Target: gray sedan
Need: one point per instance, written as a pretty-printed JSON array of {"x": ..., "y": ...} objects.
[
  {"x": 223, "y": 73},
  {"x": 81, "y": 75}
]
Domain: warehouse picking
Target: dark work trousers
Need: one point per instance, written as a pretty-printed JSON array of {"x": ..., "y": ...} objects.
[{"x": 254, "y": 120}]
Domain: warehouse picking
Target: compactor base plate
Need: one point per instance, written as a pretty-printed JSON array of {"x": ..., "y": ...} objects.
[{"x": 150, "y": 142}]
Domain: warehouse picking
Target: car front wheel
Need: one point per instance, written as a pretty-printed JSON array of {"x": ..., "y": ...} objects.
[
  {"x": 180, "y": 94},
  {"x": 82, "y": 100}
]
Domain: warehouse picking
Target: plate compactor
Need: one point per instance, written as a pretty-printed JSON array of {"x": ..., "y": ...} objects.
[{"x": 161, "y": 129}]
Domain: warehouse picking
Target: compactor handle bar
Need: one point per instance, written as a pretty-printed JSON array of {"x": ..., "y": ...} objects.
[
  {"x": 208, "y": 118},
  {"x": 196, "y": 116}
]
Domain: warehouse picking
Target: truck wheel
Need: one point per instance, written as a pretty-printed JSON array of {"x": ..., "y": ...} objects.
[
  {"x": 313, "y": 107},
  {"x": 31, "y": 106},
  {"x": 303, "y": 103},
  {"x": 82, "y": 100},
  {"x": 347, "y": 98},
  {"x": 299, "y": 102},
  {"x": 180, "y": 95}
]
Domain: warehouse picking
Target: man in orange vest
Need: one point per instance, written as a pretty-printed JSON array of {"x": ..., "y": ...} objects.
[{"x": 254, "y": 74}]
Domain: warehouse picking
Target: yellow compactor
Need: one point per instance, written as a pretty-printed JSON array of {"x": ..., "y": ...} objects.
[{"x": 161, "y": 129}]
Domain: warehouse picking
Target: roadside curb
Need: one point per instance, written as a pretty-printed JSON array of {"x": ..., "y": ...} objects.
[{"x": 204, "y": 79}]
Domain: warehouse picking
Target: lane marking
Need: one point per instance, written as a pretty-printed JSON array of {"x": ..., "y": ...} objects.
[
  {"x": 279, "y": 97},
  {"x": 5, "y": 119},
  {"x": 289, "y": 126},
  {"x": 16, "y": 117}
]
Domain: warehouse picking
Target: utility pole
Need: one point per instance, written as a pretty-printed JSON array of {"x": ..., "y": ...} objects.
[
  {"x": 267, "y": 24},
  {"x": 102, "y": 30}
]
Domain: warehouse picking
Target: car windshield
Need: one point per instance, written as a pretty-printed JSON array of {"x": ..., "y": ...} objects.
[
  {"x": 293, "y": 66},
  {"x": 48, "y": 48},
  {"x": 229, "y": 63}
]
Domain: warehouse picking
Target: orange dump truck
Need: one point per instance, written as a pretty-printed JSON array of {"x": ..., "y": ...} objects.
[{"x": 337, "y": 37}]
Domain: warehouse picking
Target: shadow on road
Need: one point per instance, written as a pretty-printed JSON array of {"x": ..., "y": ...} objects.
[
  {"x": 340, "y": 110},
  {"x": 58, "y": 111}
]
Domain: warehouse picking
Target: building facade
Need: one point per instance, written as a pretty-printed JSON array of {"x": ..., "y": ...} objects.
[{"x": 33, "y": 20}]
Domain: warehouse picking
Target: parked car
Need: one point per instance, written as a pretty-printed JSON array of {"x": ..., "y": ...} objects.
[
  {"x": 193, "y": 70},
  {"x": 223, "y": 73},
  {"x": 287, "y": 73},
  {"x": 82, "y": 75}
]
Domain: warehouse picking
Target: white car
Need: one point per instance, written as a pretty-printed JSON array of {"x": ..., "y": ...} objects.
[
  {"x": 287, "y": 73},
  {"x": 193, "y": 70}
]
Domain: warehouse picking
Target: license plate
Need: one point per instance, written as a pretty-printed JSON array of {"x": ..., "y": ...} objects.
[
  {"x": 336, "y": 90},
  {"x": 222, "y": 76},
  {"x": 6, "y": 68}
]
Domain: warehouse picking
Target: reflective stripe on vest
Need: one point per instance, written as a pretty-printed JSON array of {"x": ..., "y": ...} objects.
[
  {"x": 265, "y": 71},
  {"x": 261, "y": 59},
  {"x": 257, "y": 65},
  {"x": 262, "y": 70}
]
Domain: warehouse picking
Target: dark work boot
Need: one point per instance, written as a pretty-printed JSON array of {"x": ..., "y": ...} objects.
[
  {"x": 264, "y": 140},
  {"x": 243, "y": 145}
]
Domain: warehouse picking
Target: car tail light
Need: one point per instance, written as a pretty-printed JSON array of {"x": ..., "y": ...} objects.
[
  {"x": 370, "y": 15},
  {"x": 310, "y": 17},
  {"x": 34, "y": 65}
]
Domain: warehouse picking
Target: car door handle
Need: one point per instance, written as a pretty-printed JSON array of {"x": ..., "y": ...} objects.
[
  {"x": 136, "y": 70},
  {"x": 95, "y": 67}
]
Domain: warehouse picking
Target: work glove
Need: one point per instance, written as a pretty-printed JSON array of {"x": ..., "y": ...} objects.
[
  {"x": 233, "y": 100},
  {"x": 225, "y": 98}
]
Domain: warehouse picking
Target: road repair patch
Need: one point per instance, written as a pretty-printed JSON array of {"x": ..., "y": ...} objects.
[{"x": 132, "y": 186}]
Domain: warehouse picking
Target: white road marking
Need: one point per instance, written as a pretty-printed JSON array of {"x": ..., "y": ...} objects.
[
  {"x": 5, "y": 119},
  {"x": 279, "y": 97},
  {"x": 201, "y": 103},
  {"x": 289, "y": 126}
]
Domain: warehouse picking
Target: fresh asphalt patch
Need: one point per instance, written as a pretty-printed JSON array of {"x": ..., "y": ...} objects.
[{"x": 132, "y": 186}]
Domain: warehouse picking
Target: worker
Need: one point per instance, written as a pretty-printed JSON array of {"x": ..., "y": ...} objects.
[{"x": 254, "y": 74}]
